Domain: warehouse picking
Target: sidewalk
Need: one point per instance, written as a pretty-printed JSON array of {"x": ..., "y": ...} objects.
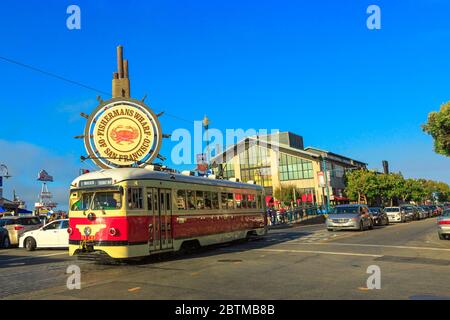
[{"x": 309, "y": 220}]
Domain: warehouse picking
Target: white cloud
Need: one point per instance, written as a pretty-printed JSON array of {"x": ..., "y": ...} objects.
[{"x": 25, "y": 160}]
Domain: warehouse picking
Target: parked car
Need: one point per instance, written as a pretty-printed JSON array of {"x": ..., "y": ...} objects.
[
  {"x": 428, "y": 210},
  {"x": 444, "y": 225},
  {"x": 380, "y": 218},
  {"x": 350, "y": 216},
  {"x": 4, "y": 238},
  {"x": 410, "y": 212},
  {"x": 52, "y": 235},
  {"x": 17, "y": 226},
  {"x": 423, "y": 214},
  {"x": 395, "y": 214},
  {"x": 435, "y": 210}
]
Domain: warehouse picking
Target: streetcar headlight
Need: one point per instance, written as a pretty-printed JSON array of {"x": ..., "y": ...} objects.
[
  {"x": 69, "y": 231},
  {"x": 113, "y": 231}
]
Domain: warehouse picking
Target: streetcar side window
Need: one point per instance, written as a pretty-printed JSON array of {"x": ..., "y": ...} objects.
[
  {"x": 208, "y": 200},
  {"x": 251, "y": 201},
  {"x": 181, "y": 200},
  {"x": 244, "y": 201},
  {"x": 238, "y": 198},
  {"x": 200, "y": 200},
  {"x": 215, "y": 200},
  {"x": 230, "y": 201},
  {"x": 135, "y": 199},
  {"x": 150, "y": 200},
  {"x": 191, "y": 199},
  {"x": 224, "y": 201}
]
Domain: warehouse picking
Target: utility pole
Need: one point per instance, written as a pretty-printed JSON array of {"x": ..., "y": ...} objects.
[{"x": 325, "y": 173}]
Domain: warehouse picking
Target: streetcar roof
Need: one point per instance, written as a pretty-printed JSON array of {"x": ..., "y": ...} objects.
[{"x": 123, "y": 174}]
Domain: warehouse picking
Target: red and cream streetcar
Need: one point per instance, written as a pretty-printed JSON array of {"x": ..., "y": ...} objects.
[
  {"x": 135, "y": 212},
  {"x": 128, "y": 210}
]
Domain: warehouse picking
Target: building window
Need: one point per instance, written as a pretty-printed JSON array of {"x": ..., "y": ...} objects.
[
  {"x": 294, "y": 168},
  {"x": 228, "y": 170},
  {"x": 255, "y": 165}
]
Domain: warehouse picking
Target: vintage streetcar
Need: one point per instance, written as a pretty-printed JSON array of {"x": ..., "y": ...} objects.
[{"x": 128, "y": 213}]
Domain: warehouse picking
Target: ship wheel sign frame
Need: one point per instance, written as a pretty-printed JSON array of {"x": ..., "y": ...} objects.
[{"x": 122, "y": 132}]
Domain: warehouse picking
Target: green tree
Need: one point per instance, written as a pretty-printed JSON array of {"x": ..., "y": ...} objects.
[
  {"x": 285, "y": 193},
  {"x": 438, "y": 126},
  {"x": 362, "y": 185}
]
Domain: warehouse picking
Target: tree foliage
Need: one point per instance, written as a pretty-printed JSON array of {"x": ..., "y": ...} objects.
[
  {"x": 285, "y": 193},
  {"x": 438, "y": 126},
  {"x": 374, "y": 188}
]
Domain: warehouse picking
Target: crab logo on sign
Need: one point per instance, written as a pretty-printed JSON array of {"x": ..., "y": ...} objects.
[{"x": 122, "y": 132}]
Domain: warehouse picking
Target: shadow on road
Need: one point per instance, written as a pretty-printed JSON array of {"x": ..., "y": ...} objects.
[
  {"x": 9, "y": 261},
  {"x": 213, "y": 250}
]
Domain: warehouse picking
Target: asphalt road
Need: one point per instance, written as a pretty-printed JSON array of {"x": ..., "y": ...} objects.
[{"x": 305, "y": 262}]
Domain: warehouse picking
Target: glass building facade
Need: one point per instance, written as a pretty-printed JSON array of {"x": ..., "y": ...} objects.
[
  {"x": 294, "y": 168},
  {"x": 255, "y": 165}
]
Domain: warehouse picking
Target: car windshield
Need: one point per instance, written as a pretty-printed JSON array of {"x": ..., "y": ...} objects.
[
  {"x": 392, "y": 209},
  {"x": 344, "y": 210},
  {"x": 374, "y": 210},
  {"x": 108, "y": 200}
]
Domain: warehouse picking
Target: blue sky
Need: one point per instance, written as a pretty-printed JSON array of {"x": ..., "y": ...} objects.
[{"x": 311, "y": 67}]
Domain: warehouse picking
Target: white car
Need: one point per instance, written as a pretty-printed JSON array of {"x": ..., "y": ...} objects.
[{"x": 52, "y": 235}]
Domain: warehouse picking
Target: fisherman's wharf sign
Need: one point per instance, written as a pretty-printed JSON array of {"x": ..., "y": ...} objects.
[{"x": 122, "y": 132}]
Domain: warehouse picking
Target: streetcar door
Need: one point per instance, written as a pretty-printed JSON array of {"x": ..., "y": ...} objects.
[
  {"x": 165, "y": 213},
  {"x": 154, "y": 239}
]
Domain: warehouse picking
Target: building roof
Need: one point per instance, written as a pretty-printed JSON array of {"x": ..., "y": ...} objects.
[
  {"x": 328, "y": 153},
  {"x": 310, "y": 152}
]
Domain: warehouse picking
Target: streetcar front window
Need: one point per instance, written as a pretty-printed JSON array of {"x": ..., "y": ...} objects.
[
  {"x": 83, "y": 202},
  {"x": 107, "y": 201}
]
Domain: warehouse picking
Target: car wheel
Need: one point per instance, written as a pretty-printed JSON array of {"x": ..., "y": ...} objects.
[
  {"x": 361, "y": 226},
  {"x": 441, "y": 237},
  {"x": 6, "y": 243},
  {"x": 371, "y": 225},
  {"x": 30, "y": 244}
]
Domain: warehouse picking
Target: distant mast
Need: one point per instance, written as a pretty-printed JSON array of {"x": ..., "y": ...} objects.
[{"x": 45, "y": 203}]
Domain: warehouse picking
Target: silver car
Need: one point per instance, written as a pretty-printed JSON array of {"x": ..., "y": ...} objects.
[
  {"x": 350, "y": 217},
  {"x": 444, "y": 225}
]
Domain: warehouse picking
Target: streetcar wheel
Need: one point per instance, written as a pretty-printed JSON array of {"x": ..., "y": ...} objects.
[{"x": 30, "y": 244}]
